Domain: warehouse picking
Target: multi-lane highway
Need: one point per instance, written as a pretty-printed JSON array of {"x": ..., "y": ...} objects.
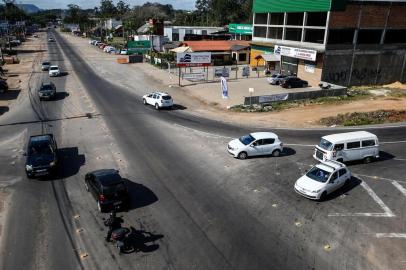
[{"x": 193, "y": 205}]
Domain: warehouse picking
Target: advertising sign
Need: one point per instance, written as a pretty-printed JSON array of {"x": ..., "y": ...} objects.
[
  {"x": 304, "y": 54},
  {"x": 270, "y": 98},
  {"x": 244, "y": 29},
  {"x": 224, "y": 87},
  {"x": 140, "y": 46},
  {"x": 222, "y": 72},
  {"x": 193, "y": 59},
  {"x": 246, "y": 71},
  {"x": 309, "y": 68},
  {"x": 194, "y": 77}
]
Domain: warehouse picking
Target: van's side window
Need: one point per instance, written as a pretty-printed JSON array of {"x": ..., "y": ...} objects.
[
  {"x": 368, "y": 143},
  {"x": 352, "y": 145},
  {"x": 339, "y": 147}
]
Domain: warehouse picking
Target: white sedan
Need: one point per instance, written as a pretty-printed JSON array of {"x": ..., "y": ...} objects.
[
  {"x": 158, "y": 100},
  {"x": 255, "y": 144},
  {"x": 54, "y": 71},
  {"x": 322, "y": 179}
]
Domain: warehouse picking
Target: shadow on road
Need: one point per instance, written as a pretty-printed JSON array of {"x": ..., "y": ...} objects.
[
  {"x": 10, "y": 94},
  {"x": 21, "y": 51},
  {"x": 70, "y": 162},
  {"x": 143, "y": 241},
  {"x": 176, "y": 107},
  {"x": 351, "y": 184},
  {"x": 63, "y": 73},
  {"x": 383, "y": 156},
  {"x": 61, "y": 95},
  {"x": 3, "y": 109},
  {"x": 140, "y": 195}
]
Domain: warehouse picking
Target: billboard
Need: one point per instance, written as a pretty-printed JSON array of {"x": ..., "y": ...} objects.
[
  {"x": 304, "y": 54},
  {"x": 244, "y": 29},
  {"x": 139, "y": 46},
  {"x": 193, "y": 59}
]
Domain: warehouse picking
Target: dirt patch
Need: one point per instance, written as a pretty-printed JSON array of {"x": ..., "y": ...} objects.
[
  {"x": 396, "y": 85},
  {"x": 365, "y": 118}
]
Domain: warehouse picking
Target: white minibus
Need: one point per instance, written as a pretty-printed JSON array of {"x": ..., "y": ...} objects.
[{"x": 359, "y": 145}]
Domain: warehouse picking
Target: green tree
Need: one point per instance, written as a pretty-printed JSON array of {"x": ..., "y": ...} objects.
[
  {"x": 107, "y": 9},
  {"x": 122, "y": 8}
]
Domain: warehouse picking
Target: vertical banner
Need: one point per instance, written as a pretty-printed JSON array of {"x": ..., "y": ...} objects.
[{"x": 224, "y": 87}]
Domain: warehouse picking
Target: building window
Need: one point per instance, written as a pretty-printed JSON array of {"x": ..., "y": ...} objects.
[
  {"x": 261, "y": 18},
  {"x": 275, "y": 32},
  {"x": 175, "y": 36},
  {"x": 395, "y": 36},
  {"x": 341, "y": 36},
  {"x": 369, "y": 36},
  {"x": 316, "y": 19},
  {"x": 314, "y": 35},
  {"x": 242, "y": 57},
  {"x": 277, "y": 18},
  {"x": 295, "y": 18},
  {"x": 260, "y": 31},
  {"x": 294, "y": 34},
  {"x": 289, "y": 65},
  {"x": 204, "y": 32}
]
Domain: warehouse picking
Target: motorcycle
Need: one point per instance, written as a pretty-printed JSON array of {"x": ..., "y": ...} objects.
[{"x": 120, "y": 239}]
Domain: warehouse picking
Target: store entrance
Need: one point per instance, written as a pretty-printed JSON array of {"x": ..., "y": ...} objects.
[{"x": 289, "y": 65}]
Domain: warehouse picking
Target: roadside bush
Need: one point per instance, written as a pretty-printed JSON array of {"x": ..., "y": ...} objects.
[{"x": 365, "y": 118}]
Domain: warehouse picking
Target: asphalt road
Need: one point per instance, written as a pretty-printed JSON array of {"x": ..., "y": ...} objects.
[{"x": 194, "y": 206}]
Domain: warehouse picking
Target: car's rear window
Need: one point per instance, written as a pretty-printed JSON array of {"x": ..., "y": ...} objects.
[
  {"x": 46, "y": 87},
  {"x": 45, "y": 63},
  {"x": 166, "y": 97},
  {"x": 114, "y": 188},
  {"x": 54, "y": 68}
]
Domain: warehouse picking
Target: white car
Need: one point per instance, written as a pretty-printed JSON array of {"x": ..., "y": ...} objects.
[
  {"x": 322, "y": 179},
  {"x": 158, "y": 100},
  {"x": 45, "y": 65},
  {"x": 54, "y": 71},
  {"x": 108, "y": 49},
  {"x": 275, "y": 79},
  {"x": 255, "y": 144},
  {"x": 123, "y": 52}
]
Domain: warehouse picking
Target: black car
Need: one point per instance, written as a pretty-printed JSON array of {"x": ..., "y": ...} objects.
[
  {"x": 108, "y": 188},
  {"x": 47, "y": 91},
  {"x": 293, "y": 82},
  {"x": 41, "y": 155}
]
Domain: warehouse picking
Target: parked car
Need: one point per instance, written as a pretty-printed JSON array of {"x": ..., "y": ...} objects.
[
  {"x": 158, "y": 100},
  {"x": 102, "y": 45},
  {"x": 41, "y": 156},
  {"x": 293, "y": 82},
  {"x": 51, "y": 39},
  {"x": 124, "y": 51},
  {"x": 3, "y": 86},
  {"x": 35, "y": 35},
  {"x": 108, "y": 188},
  {"x": 47, "y": 91},
  {"x": 322, "y": 179},
  {"x": 255, "y": 144},
  {"x": 109, "y": 49},
  {"x": 348, "y": 146},
  {"x": 54, "y": 71},
  {"x": 97, "y": 43},
  {"x": 45, "y": 65},
  {"x": 275, "y": 79}
]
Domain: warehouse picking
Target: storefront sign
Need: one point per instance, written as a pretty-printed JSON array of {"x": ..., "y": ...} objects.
[
  {"x": 304, "y": 54},
  {"x": 243, "y": 29},
  {"x": 222, "y": 72},
  {"x": 193, "y": 59},
  {"x": 309, "y": 68},
  {"x": 194, "y": 77}
]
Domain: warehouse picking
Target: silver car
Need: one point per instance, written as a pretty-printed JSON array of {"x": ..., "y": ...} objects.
[
  {"x": 45, "y": 65},
  {"x": 276, "y": 79}
]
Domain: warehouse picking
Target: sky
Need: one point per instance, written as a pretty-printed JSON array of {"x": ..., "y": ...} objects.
[{"x": 48, "y": 4}]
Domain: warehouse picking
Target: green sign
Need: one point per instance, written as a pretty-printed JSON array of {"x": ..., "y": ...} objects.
[
  {"x": 140, "y": 46},
  {"x": 276, "y": 6},
  {"x": 244, "y": 29}
]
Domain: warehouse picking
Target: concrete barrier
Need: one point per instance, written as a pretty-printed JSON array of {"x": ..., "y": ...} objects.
[{"x": 312, "y": 93}]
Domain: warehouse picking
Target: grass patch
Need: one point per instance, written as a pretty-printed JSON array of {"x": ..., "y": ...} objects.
[{"x": 365, "y": 118}]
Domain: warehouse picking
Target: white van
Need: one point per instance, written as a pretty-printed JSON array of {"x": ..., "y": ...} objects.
[{"x": 359, "y": 145}]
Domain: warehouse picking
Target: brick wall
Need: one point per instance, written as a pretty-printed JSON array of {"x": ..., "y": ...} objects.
[
  {"x": 374, "y": 15},
  {"x": 397, "y": 16},
  {"x": 347, "y": 18}
]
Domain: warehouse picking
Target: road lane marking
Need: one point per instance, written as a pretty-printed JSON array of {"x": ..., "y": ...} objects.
[
  {"x": 390, "y": 235},
  {"x": 399, "y": 187},
  {"x": 203, "y": 132},
  {"x": 382, "y": 178},
  {"x": 392, "y": 142},
  {"x": 387, "y": 211}
]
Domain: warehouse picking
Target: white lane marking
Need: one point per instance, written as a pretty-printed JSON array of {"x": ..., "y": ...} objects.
[
  {"x": 390, "y": 235},
  {"x": 387, "y": 213},
  {"x": 400, "y": 159},
  {"x": 392, "y": 142},
  {"x": 202, "y": 132},
  {"x": 382, "y": 178},
  {"x": 297, "y": 144},
  {"x": 399, "y": 187}
]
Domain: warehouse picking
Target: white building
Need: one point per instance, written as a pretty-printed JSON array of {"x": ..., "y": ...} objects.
[
  {"x": 177, "y": 33},
  {"x": 111, "y": 24}
]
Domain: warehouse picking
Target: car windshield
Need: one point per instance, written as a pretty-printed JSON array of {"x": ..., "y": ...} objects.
[
  {"x": 326, "y": 145},
  {"x": 54, "y": 68},
  {"x": 318, "y": 174},
  {"x": 166, "y": 97},
  {"x": 115, "y": 188},
  {"x": 274, "y": 75},
  {"x": 247, "y": 139},
  {"x": 40, "y": 147},
  {"x": 45, "y": 63},
  {"x": 46, "y": 87}
]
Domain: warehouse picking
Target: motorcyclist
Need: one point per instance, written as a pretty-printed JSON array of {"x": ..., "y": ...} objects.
[{"x": 113, "y": 223}]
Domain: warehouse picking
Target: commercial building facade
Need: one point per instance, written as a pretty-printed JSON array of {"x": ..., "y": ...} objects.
[{"x": 338, "y": 41}]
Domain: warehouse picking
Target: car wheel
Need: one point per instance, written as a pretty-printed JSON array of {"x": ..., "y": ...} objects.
[
  {"x": 86, "y": 187},
  {"x": 276, "y": 153},
  {"x": 367, "y": 160},
  {"x": 100, "y": 207},
  {"x": 144, "y": 101},
  {"x": 156, "y": 106},
  {"x": 305, "y": 85},
  {"x": 323, "y": 196},
  {"x": 29, "y": 176},
  {"x": 340, "y": 160},
  {"x": 242, "y": 155}
]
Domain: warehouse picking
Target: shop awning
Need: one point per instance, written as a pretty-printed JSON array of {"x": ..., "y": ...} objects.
[{"x": 271, "y": 57}]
